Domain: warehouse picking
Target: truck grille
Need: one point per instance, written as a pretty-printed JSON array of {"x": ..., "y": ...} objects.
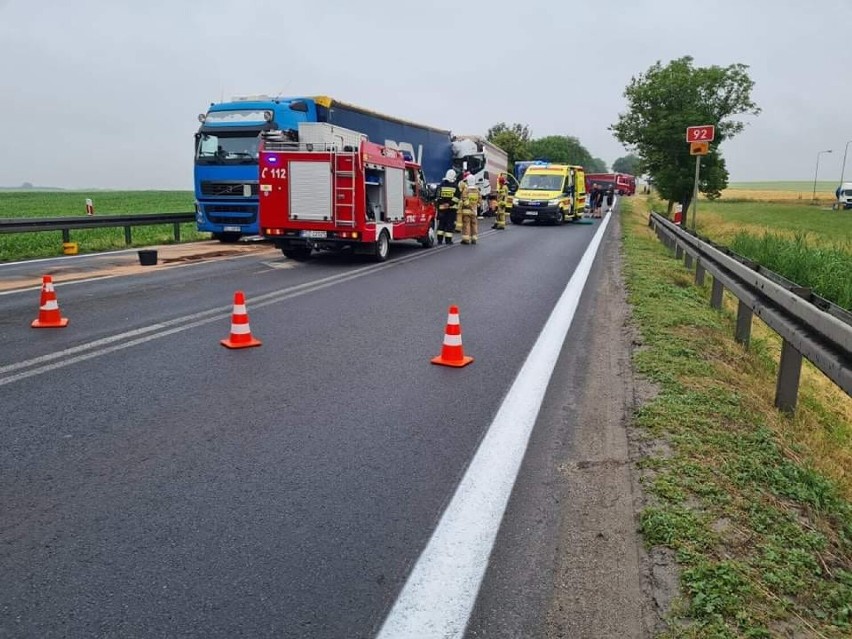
[
  {"x": 226, "y": 189},
  {"x": 226, "y": 214}
]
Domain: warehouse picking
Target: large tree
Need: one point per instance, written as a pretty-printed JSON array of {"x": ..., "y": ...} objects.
[
  {"x": 565, "y": 149},
  {"x": 596, "y": 165},
  {"x": 514, "y": 140},
  {"x": 628, "y": 164},
  {"x": 665, "y": 100}
]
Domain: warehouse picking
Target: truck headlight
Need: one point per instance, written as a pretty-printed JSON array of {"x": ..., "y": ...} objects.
[{"x": 552, "y": 202}]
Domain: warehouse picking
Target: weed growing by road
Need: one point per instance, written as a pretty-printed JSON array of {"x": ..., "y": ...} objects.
[
  {"x": 823, "y": 268},
  {"x": 755, "y": 505}
]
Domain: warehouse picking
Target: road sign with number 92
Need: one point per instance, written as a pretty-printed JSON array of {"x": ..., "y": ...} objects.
[{"x": 704, "y": 133}]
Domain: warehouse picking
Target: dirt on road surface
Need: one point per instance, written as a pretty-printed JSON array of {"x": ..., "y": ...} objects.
[
  {"x": 22, "y": 275},
  {"x": 607, "y": 585}
]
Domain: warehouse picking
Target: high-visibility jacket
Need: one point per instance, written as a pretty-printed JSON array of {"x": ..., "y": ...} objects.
[
  {"x": 470, "y": 200},
  {"x": 502, "y": 195},
  {"x": 448, "y": 196}
]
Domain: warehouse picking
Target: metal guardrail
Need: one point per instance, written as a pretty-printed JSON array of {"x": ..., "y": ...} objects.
[
  {"x": 66, "y": 224},
  {"x": 809, "y": 325}
]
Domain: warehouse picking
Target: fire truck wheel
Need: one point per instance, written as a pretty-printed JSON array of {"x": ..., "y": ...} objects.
[
  {"x": 430, "y": 239},
  {"x": 382, "y": 247},
  {"x": 297, "y": 254},
  {"x": 517, "y": 219}
]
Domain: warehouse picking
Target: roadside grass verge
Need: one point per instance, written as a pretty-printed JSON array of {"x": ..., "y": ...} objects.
[
  {"x": 755, "y": 505},
  {"x": 26, "y": 204}
]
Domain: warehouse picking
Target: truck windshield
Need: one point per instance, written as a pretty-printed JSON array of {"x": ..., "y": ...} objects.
[
  {"x": 539, "y": 182},
  {"x": 475, "y": 163},
  {"x": 237, "y": 148}
]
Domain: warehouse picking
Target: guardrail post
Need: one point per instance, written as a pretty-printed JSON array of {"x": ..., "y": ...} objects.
[
  {"x": 127, "y": 239},
  {"x": 744, "y": 315},
  {"x": 678, "y": 251},
  {"x": 66, "y": 235},
  {"x": 699, "y": 273},
  {"x": 177, "y": 231},
  {"x": 688, "y": 261},
  {"x": 789, "y": 370},
  {"x": 716, "y": 295}
]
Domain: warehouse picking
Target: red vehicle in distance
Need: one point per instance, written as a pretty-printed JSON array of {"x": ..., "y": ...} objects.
[{"x": 622, "y": 183}]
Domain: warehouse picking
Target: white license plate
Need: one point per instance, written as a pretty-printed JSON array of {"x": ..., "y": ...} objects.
[
  {"x": 314, "y": 234},
  {"x": 231, "y": 229},
  {"x": 532, "y": 213}
]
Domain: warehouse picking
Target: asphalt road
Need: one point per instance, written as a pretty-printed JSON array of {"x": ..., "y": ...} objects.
[{"x": 153, "y": 483}]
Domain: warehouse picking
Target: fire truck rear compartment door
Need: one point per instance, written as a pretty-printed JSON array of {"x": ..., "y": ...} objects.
[
  {"x": 310, "y": 191},
  {"x": 394, "y": 196}
]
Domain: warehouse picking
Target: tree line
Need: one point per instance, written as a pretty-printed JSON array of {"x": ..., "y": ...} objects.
[
  {"x": 516, "y": 139},
  {"x": 661, "y": 104}
]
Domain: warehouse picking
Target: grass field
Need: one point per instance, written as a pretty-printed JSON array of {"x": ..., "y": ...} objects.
[
  {"x": 791, "y": 191},
  {"x": 800, "y": 186},
  {"x": 30, "y": 204},
  {"x": 754, "y": 505}
]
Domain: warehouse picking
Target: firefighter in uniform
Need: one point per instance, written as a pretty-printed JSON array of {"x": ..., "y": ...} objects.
[
  {"x": 448, "y": 204},
  {"x": 462, "y": 189},
  {"x": 502, "y": 201},
  {"x": 469, "y": 206}
]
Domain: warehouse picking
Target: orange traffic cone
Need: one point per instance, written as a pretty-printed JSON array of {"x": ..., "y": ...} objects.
[
  {"x": 452, "y": 352},
  {"x": 240, "y": 332},
  {"x": 48, "y": 309}
]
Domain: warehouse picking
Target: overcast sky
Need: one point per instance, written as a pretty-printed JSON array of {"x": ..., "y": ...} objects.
[{"x": 105, "y": 93}]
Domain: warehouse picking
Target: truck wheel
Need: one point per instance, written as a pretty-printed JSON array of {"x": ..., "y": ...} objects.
[
  {"x": 560, "y": 217},
  {"x": 301, "y": 254},
  {"x": 227, "y": 238},
  {"x": 516, "y": 219},
  {"x": 430, "y": 239},
  {"x": 382, "y": 247}
]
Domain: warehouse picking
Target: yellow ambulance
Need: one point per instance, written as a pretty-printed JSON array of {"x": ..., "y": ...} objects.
[{"x": 552, "y": 193}]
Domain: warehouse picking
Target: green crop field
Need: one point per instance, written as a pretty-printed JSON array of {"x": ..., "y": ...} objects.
[
  {"x": 73, "y": 203},
  {"x": 30, "y": 204},
  {"x": 724, "y": 219}
]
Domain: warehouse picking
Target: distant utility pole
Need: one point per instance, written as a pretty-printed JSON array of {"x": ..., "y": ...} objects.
[
  {"x": 813, "y": 199},
  {"x": 843, "y": 168}
]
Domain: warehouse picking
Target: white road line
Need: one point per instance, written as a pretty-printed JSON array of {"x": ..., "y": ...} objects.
[{"x": 441, "y": 590}]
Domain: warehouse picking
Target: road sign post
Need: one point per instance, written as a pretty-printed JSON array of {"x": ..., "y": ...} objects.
[
  {"x": 699, "y": 138},
  {"x": 694, "y": 196}
]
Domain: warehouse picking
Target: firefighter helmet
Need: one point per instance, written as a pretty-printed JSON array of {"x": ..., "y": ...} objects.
[{"x": 450, "y": 176}]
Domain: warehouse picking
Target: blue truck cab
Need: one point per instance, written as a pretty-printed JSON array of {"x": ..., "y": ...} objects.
[{"x": 226, "y": 152}]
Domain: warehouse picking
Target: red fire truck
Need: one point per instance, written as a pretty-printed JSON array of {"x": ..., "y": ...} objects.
[
  {"x": 622, "y": 183},
  {"x": 329, "y": 188}
]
